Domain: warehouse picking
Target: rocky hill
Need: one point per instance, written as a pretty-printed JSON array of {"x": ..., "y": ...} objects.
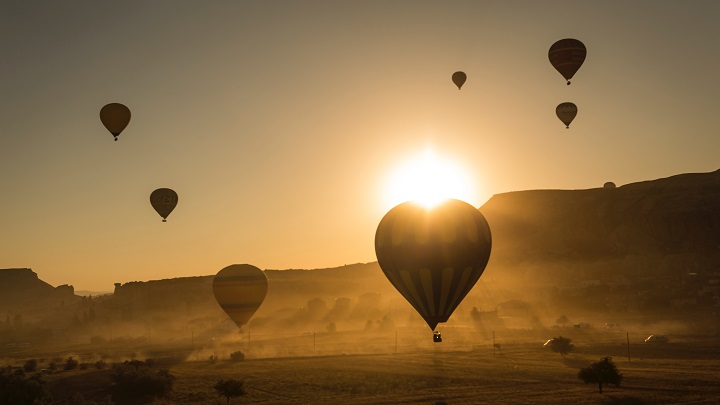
[
  {"x": 22, "y": 289},
  {"x": 654, "y": 228},
  {"x": 613, "y": 248}
]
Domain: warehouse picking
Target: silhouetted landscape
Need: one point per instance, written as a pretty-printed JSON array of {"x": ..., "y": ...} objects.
[{"x": 604, "y": 266}]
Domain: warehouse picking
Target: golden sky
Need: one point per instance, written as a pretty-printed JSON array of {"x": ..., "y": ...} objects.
[{"x": 280, "y": 123}]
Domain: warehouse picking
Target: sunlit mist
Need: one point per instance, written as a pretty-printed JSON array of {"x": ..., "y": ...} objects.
[{"x": 428, "y": 179}]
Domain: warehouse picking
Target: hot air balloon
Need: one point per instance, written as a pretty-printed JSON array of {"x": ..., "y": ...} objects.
[
  {"x": 566, "y": 112},
  {"x": 239, "y": 290},
  {"x": 459, "y": 79},
  {"x": 566, "y": 56},
  {"x": 164, "y": 201},
  {"x": 433, "y": 257},
  {"x": 115, "y": 117}
]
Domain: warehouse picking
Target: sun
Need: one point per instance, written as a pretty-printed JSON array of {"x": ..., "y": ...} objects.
[{"x": 428, "y": 179}]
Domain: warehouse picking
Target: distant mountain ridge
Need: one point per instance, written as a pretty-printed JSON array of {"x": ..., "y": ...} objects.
[{"x": 652, "y": 228}]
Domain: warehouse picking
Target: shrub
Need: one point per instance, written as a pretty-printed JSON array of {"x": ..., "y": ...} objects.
[
  {"x": 134, "y": 378},
  {"x": 30, "y": 365},
  {"x": 70, "y": 363},
  {"x": 237, "y": 356},
  {"x": 16, "y": 388}
]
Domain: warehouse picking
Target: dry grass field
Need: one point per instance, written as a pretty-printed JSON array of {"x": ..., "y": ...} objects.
[{"x": 359, "y": 368}]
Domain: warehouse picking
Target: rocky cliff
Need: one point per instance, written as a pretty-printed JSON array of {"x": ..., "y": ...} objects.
[
  {"x": 658, "y": 227},
  {"x": 21, "y": 289}
]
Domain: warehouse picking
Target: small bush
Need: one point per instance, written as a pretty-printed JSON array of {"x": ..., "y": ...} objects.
[
  {"x": 70, "y": 364},
  {"x": 135, "y": 378},
  {"x": 237, "y": 356},
  {"x": 30, "y": 365}
]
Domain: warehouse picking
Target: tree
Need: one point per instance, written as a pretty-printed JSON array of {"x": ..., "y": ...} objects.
[
  {"x": 229, "y": 388},
  {"x": 17, "y": 388},
  {"x": 601, "y": 372},
  {"x": 70, "y": 363},
  {"x": 562, "y": 321},
  {"x": 237, "y": 356},
  {"x": 561, "y": 345}
]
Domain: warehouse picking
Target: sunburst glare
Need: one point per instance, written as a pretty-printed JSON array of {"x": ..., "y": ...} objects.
[{"x": 428, "y": 179}]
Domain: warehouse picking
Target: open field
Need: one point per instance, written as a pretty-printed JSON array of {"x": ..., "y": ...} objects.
[{"x": 355, "y": 368}]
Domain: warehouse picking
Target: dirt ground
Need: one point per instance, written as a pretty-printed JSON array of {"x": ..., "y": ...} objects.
[{"x": 466, "y": 368}]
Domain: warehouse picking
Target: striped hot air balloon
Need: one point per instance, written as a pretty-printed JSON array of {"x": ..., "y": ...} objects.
[
  {"x": 566, "y": 56},
  {"x": 433, "y": 257},
  {"x": 240, "y": 290}
]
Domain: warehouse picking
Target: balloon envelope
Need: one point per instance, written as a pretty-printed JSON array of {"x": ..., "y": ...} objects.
[
  {"x": 566, "y": 56},
  {"x": 115, "y": 117},
  {"x": 566, "y": 112},
  {"x": 433, "y": 257},
  {"x": 164, "y": 201},
  {"x": 459, "y": 79},
  {"x": 240, "y": 290}
]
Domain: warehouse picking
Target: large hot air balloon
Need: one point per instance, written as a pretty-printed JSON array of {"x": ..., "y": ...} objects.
[
  {"x": 239, "y": 290},
  {"x": 566, "y": 112},
  {"x": 164, "y": 201},
  {"x": 566, "y": 56},
  {"x": 459, "y": 79},
  {"x": 115, "y": 117},
  {"x": 433, "y": 256}
]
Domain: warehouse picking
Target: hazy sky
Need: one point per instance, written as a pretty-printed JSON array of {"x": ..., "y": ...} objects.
[{"x": 279, "y": 123}]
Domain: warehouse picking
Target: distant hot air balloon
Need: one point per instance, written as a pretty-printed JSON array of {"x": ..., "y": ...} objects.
[
  {"x": 459, "y": 79},
  {"x": 566, "y": 56},
  {"x": 566, "y": 112},
  {"x": 239, "y": 290},
  {"x": 164, "y": 201},
  {"x": 433, "y": 257},
  {"x": 609, "y": 185},
  {"x": 115, "y": 117}
]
